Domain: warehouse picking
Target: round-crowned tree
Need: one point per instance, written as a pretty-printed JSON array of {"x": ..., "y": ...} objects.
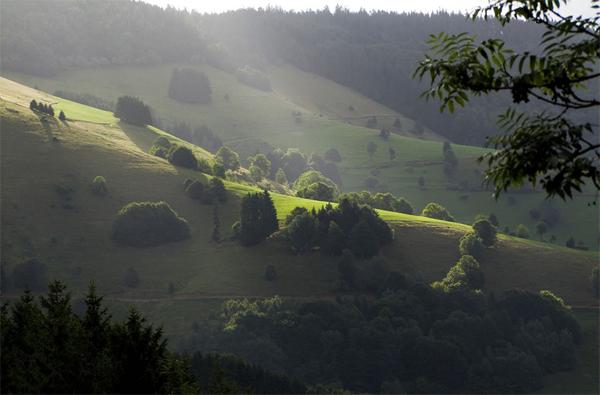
[
  {"x": 145, "y": 224},
  {"x": 470, "y": 244},
  {"x": 183, "y": 157},
  {"x": 437, "y": 211},
  {"x": 485, "y": 231}
]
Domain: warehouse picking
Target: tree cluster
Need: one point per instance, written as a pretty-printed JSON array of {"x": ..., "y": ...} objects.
[
  {"x": 313, "y": 184},
  {"x": 43, "y": 108},
  {"x": 411, "y": 337},
  {"x": 383, "y": 201},
  {"x": 132, "y": 110},
  {"x": 189, "y": 86},
  {"x": 333, "y": 229},
  {"x": 214, "y": 192}
]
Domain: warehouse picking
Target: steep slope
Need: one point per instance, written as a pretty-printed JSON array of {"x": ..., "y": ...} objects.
[
  {"x": 38, "y": 156},
  {"x": 252, "y": 120}
]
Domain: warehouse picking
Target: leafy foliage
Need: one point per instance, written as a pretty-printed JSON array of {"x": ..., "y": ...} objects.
[
  {"x": 550, "y": 146},
  {"x": 228, "y": 158},
  {"x": 485, "y": 231},
  {"x": 466, "y": 344},
  {"x": 465, "y": 274},
  {"x": 145, "y": 224},
  {"x": 470, "y": 244},
  {"x": 349, "y": 225},
  {"x": 435, "y": 210},
  {"x": 522, "y": 231}
]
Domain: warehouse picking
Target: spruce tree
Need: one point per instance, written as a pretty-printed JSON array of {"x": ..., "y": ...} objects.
[{"x": 62, "y": 116}]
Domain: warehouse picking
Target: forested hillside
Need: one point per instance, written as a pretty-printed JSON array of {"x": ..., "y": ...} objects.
[{"x": 372, "y": 53}]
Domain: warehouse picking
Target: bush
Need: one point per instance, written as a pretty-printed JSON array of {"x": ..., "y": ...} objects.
[
  {"x": 280, "y": 177},
  {"x": 32, "y": 275},
  {"x": 159, "y": 151},
  {"x": 470, "y": 244},
  {"x": 144, "y": 224},
  {"x": 195, "y": 190},
  {"x": 99, "y": 186},
  {"x": 437, "y": 211},
  {"x": 218, "y": 170},
  {"x": 522, "y": 231},
  {"x": 270, "y": 273},
  {"x": 132, "y": 110},
  {"x": 485, "y": 231},
  {"x": 296, "y": 211},
  {"x": 311, "y": 177},
  {"x": 183, "y": 157},
  {"x": 465, "y": 274},
  {"x": 162, "y": 141},
  {"x": 318, "y": 191},
  {"x": 228, "y": 158}
]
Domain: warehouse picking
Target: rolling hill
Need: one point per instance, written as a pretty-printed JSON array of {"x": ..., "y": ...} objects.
[
  {"x": 250, "y": 120},
  {"x": 38, "y": 156}
]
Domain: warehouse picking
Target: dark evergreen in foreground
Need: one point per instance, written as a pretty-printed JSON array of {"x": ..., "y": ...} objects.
[{"x": 47, "y": 348}]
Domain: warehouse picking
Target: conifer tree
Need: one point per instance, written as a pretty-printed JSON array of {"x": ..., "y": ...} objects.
[
  {"x": 33, "y": 105},
  {"x": 62, "y": 116}
]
